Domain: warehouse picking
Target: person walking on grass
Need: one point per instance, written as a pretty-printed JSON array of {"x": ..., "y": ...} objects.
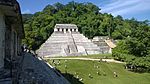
[{"x": 115, "y": 74}]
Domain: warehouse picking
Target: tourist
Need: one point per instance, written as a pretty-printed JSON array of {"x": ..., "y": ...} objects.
[
  {"x": 53, "y": 61},
  {"x": 65, "y": 61},
  {"x": 97, "y": 72},
  {"x": 90, "y": 76},
  {"x": 22, "y": 48},
  {"x": 99, "y": 60},
  {"x": 80, "y": 79},
  {"x": 77, "y": 76},
  {"x": 115, "y": 74},
  {"x": 104, "y": 74},
  {"x": 65, "y": 66},
  {"x": 75, "y": 73},
  {"x": 25, "y": 48}
]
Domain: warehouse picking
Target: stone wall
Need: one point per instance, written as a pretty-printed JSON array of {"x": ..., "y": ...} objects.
[
  {"x": 2, "y": 39},
  {"x": 11, "y": 31}
]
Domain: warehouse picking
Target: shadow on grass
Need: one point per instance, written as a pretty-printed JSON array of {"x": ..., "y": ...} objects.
[{"x": 71, "y": 78}]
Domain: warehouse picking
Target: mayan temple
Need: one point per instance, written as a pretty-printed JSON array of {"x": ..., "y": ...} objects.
[{"x": 67, "y": 41}]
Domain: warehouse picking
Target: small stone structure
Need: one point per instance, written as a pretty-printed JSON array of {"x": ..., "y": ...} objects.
[
  {"x": 66, "y": 28},
  {"x": 67, "y": 41},
  {"x": 104, "y": 43}
]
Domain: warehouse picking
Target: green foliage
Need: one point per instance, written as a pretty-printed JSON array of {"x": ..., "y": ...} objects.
[
  {"x": 134, "y": 36},
  {"x": 39, "y": 26},
  {"x": 135, "y": 49},
  {"x": 26, "y": 17}
]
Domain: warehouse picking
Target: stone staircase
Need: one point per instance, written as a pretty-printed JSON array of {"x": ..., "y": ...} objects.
[
  {"x": 100, "y": 41},
  {"x": 54, "y": 44},
  {"x": 90, "y": 47},
  {"x": 67, "y": 44},
  {"x": 71, "y": 44},
  {"x": 67, "y": 41}
]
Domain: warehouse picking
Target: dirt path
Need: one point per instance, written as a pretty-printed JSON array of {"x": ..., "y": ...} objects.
[{"x": 91, "y": 59}]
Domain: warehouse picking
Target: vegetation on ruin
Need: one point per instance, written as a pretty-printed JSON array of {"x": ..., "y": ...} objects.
[
  {"x": 134, "y": 36},
  {"x": 105, "y": 75}
]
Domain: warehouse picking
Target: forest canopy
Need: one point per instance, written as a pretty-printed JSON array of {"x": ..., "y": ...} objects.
[{"x": 134, "y": 35}]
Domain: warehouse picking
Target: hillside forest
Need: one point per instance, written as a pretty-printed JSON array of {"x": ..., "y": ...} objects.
[{"x": 133, "y": 36}]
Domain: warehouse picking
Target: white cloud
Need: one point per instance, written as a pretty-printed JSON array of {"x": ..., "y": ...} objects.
[
  {"x": 123, "y": 7},
  {"x": 26, "y": 11}
]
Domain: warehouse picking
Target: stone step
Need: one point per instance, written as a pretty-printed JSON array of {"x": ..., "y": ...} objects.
[
  {"x": 84, "y": 45},
  {"x": 54, "y": 45},
  {"x": 58, "y": 39},
  {"x": 102, "y": 44}
]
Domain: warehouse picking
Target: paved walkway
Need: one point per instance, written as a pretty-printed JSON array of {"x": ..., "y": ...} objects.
[{"x": 91, "y": 59}]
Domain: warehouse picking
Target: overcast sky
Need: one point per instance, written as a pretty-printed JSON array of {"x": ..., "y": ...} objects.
[{"x": 139, "y": 9}]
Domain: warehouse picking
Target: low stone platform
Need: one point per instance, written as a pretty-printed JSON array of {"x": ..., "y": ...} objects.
[{"x": 104, "y": 43}]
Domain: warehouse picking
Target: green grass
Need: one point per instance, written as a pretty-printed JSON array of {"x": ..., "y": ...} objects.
[{"x": 84, "y": 68}]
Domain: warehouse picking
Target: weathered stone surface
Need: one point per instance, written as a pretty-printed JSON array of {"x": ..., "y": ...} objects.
[
  {"x": 104, "y": 43},
  {"x": 11, "y": 33},
  {"x": 7, "y": 2},
  {"x": 67, "y": 41},
  {"x": 5, "y": 77},
  {"x": 2, "y": 39},
  {"x": 36, "y": 71}
]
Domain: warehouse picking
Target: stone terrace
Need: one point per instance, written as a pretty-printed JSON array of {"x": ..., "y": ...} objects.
[{"x": 67, "y": 41}]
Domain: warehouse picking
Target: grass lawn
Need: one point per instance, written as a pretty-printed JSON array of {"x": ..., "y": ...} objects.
[{"x": 105, "y": 70}]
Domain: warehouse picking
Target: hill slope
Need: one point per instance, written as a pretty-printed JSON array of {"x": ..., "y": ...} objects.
[{"x": 84, "y": 68}]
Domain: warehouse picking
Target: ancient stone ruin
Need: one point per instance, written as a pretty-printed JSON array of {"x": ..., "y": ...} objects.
[
  {"x": 11, "y": 32},
  {"x": 67, "y": 41},
  {"x": 16, "y": 66},
  {"x": 104, "y": 43}
]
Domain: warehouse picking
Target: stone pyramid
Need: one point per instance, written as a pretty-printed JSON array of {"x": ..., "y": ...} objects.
[{"x": 67, "y": 41}]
